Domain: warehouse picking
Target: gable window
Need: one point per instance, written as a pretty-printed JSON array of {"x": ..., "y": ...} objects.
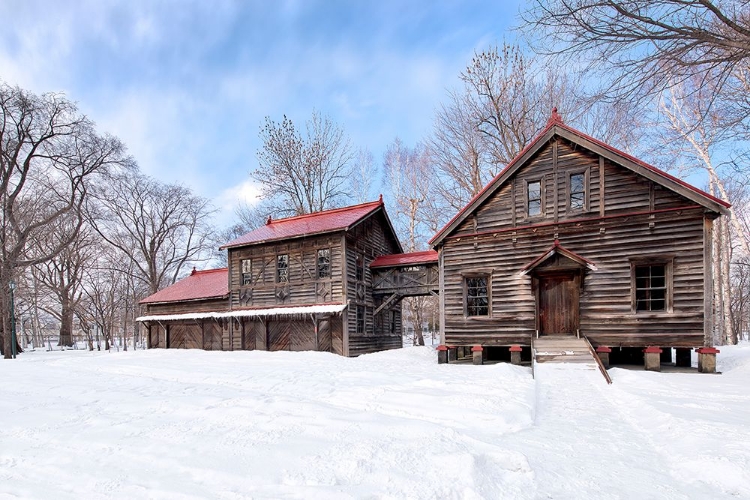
[
  {"x": 324, "y": 263},
  {"x": 534, "y": 198},
  {"x": 477, "y": 296},
  {"x": 651, "y": 290},
  {"x": 282, "y": 268},
  {"x": 360, "y": 319},
  {"x": 360, "y": 269},
  {"x": 247, "y": 271},
  {"x": 577, "y": 191}
]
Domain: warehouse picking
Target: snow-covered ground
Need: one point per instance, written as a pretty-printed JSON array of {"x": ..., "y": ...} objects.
[{"x": 195, "y": 424}]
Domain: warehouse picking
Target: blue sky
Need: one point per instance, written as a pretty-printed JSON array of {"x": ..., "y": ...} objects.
[{"x": 186, "y": 85}]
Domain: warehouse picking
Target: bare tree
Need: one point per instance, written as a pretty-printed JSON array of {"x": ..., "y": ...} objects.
[
  {"x": 364, "y": 173},
  {"x": 49, "y": 154},
  {"x": 408, "y": 173},
  {"x": 639, "y": 48},
  {"x": 303, "y": 173},
  {"x": 62, "y": 278},
  {"x": 160, "y": 229},
  {"x": 505, "y": 102}
]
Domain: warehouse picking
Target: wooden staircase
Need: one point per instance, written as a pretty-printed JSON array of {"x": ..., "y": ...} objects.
[{"x": 562, "y": 349}]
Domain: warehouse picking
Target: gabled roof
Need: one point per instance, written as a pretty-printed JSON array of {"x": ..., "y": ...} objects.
[
  {"x": 406, "y": 259},
  {"x": 557, "y": 249},
  {"x": 556, "y": 127},
  {"x": 327, "y": 221},
  {"x": 199, "y": 285}
]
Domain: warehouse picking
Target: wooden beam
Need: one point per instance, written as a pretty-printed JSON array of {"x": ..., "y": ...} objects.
[
  {"x": 555, "y": 181},
  {"x": 708, "y": 282},
  {"x": 601, "y": 186}
]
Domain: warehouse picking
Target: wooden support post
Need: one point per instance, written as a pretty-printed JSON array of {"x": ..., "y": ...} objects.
[
  {"x": 652, "y": 358},
  {"x": 603, "y": 352},
  {"x": 666, "y": 355},
  {"x": 476, "y": 353},
  {"x": 682, "y": 357},
  {"x": 515, "y": 354},
  {"x": 707, "y": 359},
  {"x": 442, "y": 354}
]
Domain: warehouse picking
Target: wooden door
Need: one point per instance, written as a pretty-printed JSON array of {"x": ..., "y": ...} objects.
[
  {"x": 212, "y": 336},
  {"x": 278, "y": 335},
  {"x": 185, "y": 336},
  {"x": 324, "y": 335},
  {"x": 558, "y": 304},
  {"x": 301, "y": 336}
]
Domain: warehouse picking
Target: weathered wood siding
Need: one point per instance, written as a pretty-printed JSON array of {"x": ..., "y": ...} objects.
[
  {"x": 638, "y": 219},
  {"x": 303, "y": 286},
  {"x": 367, "y": 241}
]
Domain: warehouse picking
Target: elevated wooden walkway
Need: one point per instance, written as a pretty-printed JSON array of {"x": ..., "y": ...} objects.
[
  {"x": 567, "y": 349},
  {"x": 404, "y": 275}
]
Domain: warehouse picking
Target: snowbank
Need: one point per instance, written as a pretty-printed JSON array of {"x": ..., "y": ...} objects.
[{"x": 196, "y": 424}]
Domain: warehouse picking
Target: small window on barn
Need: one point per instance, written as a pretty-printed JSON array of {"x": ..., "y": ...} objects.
[
  {"x": 247, "y": 271},
  {"x": 534, "y": 198},
  {"x": 360, "y": 319},
  {"x": 577, "y": 192},
  {"x": 477, "y": 296},
  {"x": 393, "y": 323},
  {"x": 282, "y": 268},
  {"x": 651, "y": 287},
  {"x": 324, "y": 263},
  {"x": 360, "y": 268}
]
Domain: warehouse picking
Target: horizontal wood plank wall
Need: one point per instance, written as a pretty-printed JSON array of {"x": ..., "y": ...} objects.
[
  {"x": 186, "y": 307},
  {"x": 303, "y": 287},
  {"x": 368, "y": 240},
  {"x": 605, "y": 311}
]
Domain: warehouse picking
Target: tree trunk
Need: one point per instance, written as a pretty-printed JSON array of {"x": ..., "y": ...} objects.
[{"x": 66, "y": 324}]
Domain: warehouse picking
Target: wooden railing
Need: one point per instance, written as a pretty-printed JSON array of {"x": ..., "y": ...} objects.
[{"x": 598, "y": 361}]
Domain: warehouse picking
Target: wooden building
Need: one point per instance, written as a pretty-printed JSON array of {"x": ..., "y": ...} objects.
[
  {"x": 576, "y": 238},
  {"x": 300, "y": 283}
]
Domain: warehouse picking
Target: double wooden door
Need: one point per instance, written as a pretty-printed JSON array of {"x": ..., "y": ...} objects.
[{"x": 559, "y": 296}]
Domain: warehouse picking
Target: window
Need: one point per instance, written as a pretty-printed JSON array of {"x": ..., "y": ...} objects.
[
  {"x": 477, "y": 298},
  {"x": 534, "y": 198},
  {"x": 650, "y": 287},
  {"x": 324, "y": 263},
  {"x": 282, "y": 268},
  {"x": 360, "y": 269},
  {"x": 247, "y": 271},
  {"x": 577, "y": 199},
  {"x": 360, "y": 319},
  {"x": 393, "y": 323}
]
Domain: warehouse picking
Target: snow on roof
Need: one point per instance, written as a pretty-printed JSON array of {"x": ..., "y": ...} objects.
[
  {"x": 208, "y": 284},
  {"x": 250, "y": 313},
  {"x": 406, "y": 259},
  {"x": 326, "y": 221}
]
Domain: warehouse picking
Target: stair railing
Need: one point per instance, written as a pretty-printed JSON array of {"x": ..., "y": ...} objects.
[{"x": 598, "y": 361}]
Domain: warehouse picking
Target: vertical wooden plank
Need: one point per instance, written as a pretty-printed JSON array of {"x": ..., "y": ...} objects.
[
  {"x": 441, "y": 285},
  {"x": 708, "y": 282},
  {"x": 601, "y": 186},
  {"x": 513, "y": 201},
  {"x": 555, "y": 181}
]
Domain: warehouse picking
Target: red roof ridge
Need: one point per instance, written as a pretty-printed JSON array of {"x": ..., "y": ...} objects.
[
  {"x": 214, "y": 270},
  {"x": 326, "y": 212}
]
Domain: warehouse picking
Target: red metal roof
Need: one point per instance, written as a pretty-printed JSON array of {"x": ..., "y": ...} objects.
[
  {"x": 303, "y": 225},
  {"x": 208, "y": 284},
  {"x": 555, "y": 120},
  {"x": 406, "y": 259}
]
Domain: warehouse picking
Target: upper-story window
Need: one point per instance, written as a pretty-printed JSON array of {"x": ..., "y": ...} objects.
[
  {"x": 534, "y": 198},
  {"x": 247, "y": 271},
  {"x": 577, "y": 191},
  {"x": 324, "y": 263},
  {"x": 282, "y": 268}
]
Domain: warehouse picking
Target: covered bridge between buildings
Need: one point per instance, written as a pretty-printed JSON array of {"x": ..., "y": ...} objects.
[{"x": 404, "y": 275}]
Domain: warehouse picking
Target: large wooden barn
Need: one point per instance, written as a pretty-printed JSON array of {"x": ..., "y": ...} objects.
[
  {"x": 300, "y": 283},
  {"x": 576, "y": 238}
]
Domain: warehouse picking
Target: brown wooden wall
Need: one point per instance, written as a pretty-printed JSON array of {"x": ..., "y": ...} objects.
[
  {"x": 637, "y": 220},
  {"x": 368, "y": 240},
  {"x": 303, "y": 287}
]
